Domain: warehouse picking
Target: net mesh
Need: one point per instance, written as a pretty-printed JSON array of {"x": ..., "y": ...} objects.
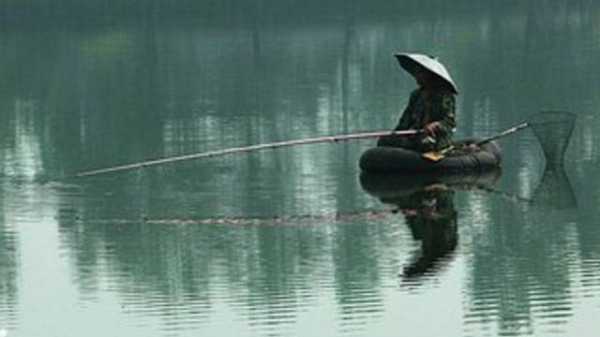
[
  {"x": 555, "y": 190},
  {"x": 553, "y": 129}
]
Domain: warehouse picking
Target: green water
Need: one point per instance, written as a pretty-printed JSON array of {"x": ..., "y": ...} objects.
[{"x": 290, "y": 242}]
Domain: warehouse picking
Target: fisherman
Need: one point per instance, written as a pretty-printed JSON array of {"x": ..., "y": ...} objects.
[{"x": 431, "y": 107}]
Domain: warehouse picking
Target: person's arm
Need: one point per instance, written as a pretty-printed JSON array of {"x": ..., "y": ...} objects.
[
  {"x": 444, "y": 118},
  {"x": 405, "y": 119}
]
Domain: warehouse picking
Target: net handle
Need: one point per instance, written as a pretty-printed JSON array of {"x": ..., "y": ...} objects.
[{"x": 553, "y": 147}]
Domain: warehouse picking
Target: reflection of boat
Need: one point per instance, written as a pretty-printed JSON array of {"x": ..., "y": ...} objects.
[
  {"x": 427, "y": 203},
  {"x": 389, "y": 187},
  {"x": 400, "y": 160},
  {"x": 432, "y": 219}
]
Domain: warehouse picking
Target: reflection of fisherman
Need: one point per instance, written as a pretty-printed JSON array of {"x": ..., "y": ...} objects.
[
  {"x": 431, "y": 107},
  {"x": 432, "y": 219}
]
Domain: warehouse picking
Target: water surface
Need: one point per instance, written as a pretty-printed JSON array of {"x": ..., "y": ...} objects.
[{"x": 292, "y": 242}]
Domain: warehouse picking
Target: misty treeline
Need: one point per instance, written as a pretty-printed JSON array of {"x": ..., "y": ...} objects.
[{"x": 14, "y": 13}]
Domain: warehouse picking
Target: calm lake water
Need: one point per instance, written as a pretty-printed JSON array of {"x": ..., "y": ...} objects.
[{"x": 290, "y": 242}]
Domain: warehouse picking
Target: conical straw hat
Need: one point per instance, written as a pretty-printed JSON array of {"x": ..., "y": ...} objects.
[{"x": 410, "y": 62}]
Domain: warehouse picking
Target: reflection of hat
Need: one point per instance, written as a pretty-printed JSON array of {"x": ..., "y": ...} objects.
[{"x": 410, "y": 62}]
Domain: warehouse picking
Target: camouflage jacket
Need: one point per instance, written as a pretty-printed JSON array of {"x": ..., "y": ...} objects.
[{"x": 424, "y": 108}]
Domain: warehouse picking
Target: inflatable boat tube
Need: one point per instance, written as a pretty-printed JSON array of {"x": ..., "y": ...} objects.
[{"x": 402, "y": 161}]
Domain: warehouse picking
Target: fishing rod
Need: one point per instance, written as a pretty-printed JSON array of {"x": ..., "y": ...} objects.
[
  {"x": 250, "y": 148},
  {"x": 552, "y": 128},
  {"x": 504, "y": 133}
]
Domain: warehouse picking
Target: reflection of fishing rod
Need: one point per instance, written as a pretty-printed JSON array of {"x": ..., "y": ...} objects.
[
  {"x": 294, "y": 220},
  {"x": 250, "y": 148},
  {"x": 503, "y": 194}
]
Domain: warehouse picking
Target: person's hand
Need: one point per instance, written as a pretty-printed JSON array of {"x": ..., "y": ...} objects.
[
  {"x": 409, "y": 211},
  {"x": 437, "y": 187},
  {"x": 473, "y": 147},
  {"x": 432, "y": 128}
]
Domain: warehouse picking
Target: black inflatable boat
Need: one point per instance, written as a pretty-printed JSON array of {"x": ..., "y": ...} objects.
[{"x": 403, "y": 161}]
